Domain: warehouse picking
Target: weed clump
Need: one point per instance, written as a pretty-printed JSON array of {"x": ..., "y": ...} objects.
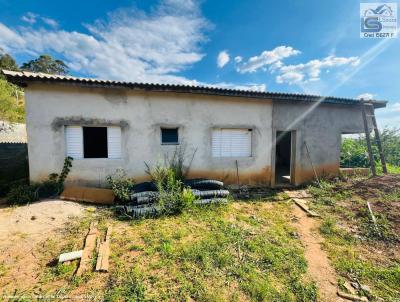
[
  {"x": 173, "y": 197},
  {"x": 121, "y": 185}
]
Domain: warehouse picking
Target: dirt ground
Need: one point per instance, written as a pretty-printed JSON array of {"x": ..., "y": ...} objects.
[
  {"x": 26, "y": 233},
  {"x": 319, "y": 267},
  {"x": 22, "y": 229}
]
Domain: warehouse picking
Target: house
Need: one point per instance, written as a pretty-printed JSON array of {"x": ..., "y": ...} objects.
[{"x": 233, "y": 135}]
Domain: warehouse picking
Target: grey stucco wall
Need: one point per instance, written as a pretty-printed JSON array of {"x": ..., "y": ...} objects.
[
  {"x": 50, "y": 107},
  {"x": 145, "y": 113},
  {"x": 321, "y": 128}
]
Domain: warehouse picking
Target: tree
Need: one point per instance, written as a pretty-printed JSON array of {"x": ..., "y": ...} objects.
[
  {"x": 10, "y": 110},
  {"x": 46, "y": 64},
  {"x": 7, "y": 61}
]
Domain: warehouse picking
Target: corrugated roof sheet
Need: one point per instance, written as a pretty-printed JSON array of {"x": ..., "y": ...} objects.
[
  {"x": 12, "y": 134},
  {"x": 23, "y": 77}
]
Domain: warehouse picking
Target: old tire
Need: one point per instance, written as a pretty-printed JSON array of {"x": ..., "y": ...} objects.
[
  {"x": 204, "y": 184},
  {"x": 211, "y": 194},
  {"x": 145, "y": 186}
]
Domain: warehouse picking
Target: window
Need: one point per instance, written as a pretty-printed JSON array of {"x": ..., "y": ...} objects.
[
  {"x": 93, "y": 142},
  {"x": 231, "y": 143},
  {"x": 169, "y": 136}
]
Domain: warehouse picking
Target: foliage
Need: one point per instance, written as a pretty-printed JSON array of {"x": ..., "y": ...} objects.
[
  {"x": 173, "y": 197},
  {"x": 55, "y": 183},
  {"x": 176, "y": 163},
  {"x": 64, "y": 172},
  {"x": 7, "y": 61},
  {"x": 355, "y": 153},
  {"x": 46, "y": 64},
  {"x": 22, "y": 194},
  {"x": 11, "y": 110},
  {"x": 120, "y": 184},
  {"x": 11, "y": 97}
]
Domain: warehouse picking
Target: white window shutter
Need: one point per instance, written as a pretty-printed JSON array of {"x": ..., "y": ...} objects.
[
  {"x": 231, "y": 143},
  {"x": 114, "y": 142},
  {"x": 74, "y": 141}
]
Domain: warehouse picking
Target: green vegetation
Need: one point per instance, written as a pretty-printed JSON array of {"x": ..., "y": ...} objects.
[
  {"x": 121, "y": 185},
  {"x": 242, "y": 251},
  {"x": 355, "y": 154},
  {"x": 22, "y": 194},
  {"x": 173, "y": 196},
  {"x": 12, "y": 107},
  {"x": 358, "y": 250},
  {"x": 46, "y": 64}
]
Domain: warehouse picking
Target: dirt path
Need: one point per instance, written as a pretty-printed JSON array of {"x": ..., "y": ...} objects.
[{"x": 319, "y": 267}]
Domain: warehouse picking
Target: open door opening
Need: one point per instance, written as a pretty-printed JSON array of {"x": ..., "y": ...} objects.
[{"x": 283, "y": 157}]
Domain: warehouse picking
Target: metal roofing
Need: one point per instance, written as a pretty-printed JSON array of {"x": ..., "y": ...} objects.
[
  {"x": 23, "y": 77},
  {"x": 12, "y": 133}
]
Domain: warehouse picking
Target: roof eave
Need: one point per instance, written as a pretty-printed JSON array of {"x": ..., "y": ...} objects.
[{"x": 21, "y": 79}]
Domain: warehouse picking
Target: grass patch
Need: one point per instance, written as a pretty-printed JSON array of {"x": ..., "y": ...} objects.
[{"x": 244, "y": 251}]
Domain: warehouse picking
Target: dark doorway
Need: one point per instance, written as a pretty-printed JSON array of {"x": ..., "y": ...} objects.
[
  {"x": 95, "y": 142},
  {"x": 283, "y": 157}
]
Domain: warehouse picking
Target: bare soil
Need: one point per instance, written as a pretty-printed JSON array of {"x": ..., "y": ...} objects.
[
  {"x": 319, "y": 267},
  {"x": 383, "y": 194},
  {"x": 22, "y": 230}
]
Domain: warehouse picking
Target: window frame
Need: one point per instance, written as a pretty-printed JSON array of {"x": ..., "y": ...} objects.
[
  {"x": 82, "y": 142},
  {"x": 244, "y": 127},
  {"x": 170, "y": 128}
]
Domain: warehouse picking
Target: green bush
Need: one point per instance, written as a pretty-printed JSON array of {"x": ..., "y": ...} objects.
[
  {"x": 55, "y": 184},
  {"x": 173, "y": 196},
  {"x": 121, "y": 185},
  {"x": 22, "y": 194},
  {"x": 354, "y": 151}
]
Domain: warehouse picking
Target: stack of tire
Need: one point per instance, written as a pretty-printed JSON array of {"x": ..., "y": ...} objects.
[{"x": 143, "y": 199}]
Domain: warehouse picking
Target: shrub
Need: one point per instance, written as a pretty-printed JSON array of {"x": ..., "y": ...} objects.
[
  {"x": 121, "y": 185},
  {"x": 354, "y": 151},
  {"x": 173, "y": 196},
  {"x": 55, "y": 184},
  {"x": 22, "y": 194}
]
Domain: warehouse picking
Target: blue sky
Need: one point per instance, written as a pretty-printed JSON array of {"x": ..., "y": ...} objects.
[{"x": 287, "y": 46}]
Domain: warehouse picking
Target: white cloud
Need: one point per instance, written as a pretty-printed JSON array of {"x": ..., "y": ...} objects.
[
  {"x": 130, "y": 45},
  {"x": 266, "y": 58},
  {"x": 238, "y": 59},
  {"x": 33, "y": 18},
  {"x": 49, "y": 21},
  {"x": 395, "y": 108},
  {"x": 29, "y": 17},
  {"x": 248, "y": 87},
  {"x": 290, "y": 77},
  {"x": 389, "y": 116},
  {"x": 223, "y": 58},
  {"x": 366, "y": 96},
  {"x": 310, "y": 71}
]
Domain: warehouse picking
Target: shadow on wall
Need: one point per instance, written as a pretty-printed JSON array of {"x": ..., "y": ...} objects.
[{"x": 14, "y": 167}]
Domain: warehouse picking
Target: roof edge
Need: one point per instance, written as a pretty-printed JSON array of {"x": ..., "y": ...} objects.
[{"x": 22, "y": 78}]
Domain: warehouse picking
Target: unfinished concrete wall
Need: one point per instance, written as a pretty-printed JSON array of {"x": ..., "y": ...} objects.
[
  {"x": 50, "y": 107},
  {"x": 321, "y": 128}
]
